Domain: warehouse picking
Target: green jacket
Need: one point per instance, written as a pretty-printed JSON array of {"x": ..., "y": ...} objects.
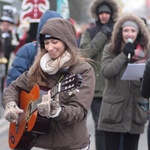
[
  {"x": 94, "y": 48},
  {"x": 93, "y": 41},
  {"x": 121, "y": 109}
]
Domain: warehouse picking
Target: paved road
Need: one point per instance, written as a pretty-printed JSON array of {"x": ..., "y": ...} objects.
[
  {"x": 4, "y": 125},
  {"x": 142, "y": 142}
]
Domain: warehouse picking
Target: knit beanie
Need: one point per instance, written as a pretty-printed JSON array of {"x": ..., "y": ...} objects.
[
  {"x": 130, "y": 23},
  {"x": 103, "y": 8}
]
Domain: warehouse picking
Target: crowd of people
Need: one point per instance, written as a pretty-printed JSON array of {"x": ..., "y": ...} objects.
[{"x": 99, "y": 55}]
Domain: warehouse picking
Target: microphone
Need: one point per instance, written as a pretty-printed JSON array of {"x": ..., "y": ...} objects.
[{"x": 129, "y": 40}]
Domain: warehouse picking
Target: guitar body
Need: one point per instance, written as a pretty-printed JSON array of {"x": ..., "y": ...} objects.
[{"x": 23, "y": 135}]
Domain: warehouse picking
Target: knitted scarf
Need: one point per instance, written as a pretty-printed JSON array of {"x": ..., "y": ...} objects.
[
  {"x": 140, "y": 55},
  {"x": 51, "y": 66}
]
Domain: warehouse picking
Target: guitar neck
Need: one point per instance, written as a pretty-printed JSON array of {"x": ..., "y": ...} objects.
[
  {"x": 70, "y": 83},
  {"x": 55, "y": 90}
]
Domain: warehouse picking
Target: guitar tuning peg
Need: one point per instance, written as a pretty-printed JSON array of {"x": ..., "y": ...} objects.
[
  {"x": 77, "y": 90},
  {"x": 70, "y": 93}
]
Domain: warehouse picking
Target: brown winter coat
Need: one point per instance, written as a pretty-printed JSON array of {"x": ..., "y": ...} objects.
[{"x": 68, "y": 131}]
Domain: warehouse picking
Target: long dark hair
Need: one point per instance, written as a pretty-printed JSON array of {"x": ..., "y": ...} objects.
[{"x": 117, "y": 44}]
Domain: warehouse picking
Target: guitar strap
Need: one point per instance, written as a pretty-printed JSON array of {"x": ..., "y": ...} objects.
[
  {"x": 44, "y": 88},
  {"x": 60, "y": 79}
]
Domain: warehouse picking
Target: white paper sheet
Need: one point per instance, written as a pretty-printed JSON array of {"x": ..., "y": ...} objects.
[{"x": 133, "y": 72}]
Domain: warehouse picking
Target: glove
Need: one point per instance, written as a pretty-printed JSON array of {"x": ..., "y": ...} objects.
[
  {"x": 129, "y": 48},
  {"x": 44, "y": 106},
  {"x": 55, "y": 107},
  {"x": 48, "y": 107},
  {"x": 106, "y": 30},
  {"x": 12, "y": 112}
]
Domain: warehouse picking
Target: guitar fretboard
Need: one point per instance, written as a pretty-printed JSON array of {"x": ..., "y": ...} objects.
[{"x": 70, "y": 83}]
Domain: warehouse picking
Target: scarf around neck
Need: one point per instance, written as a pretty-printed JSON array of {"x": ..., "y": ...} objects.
[
  {"x": 51, "y": 66},
  {"x": 140, "y": 55}
]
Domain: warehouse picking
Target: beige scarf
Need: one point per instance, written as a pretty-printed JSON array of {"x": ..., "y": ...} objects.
[{"x": 51, "y": 66}]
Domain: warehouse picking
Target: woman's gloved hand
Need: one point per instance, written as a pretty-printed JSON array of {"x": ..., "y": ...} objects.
[
  {"x": 129, "y": 49},
  {"x": 55, "y": 107},
  {"x": 12, "y": 112},
  {"x": 49, "y": 107},
  {"x": 44, "y": 106}
]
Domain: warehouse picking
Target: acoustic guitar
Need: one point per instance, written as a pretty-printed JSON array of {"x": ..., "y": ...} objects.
[{"x": 23, "y": 134}]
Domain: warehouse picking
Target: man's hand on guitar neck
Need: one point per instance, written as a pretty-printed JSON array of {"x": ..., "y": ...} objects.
[
  {"x": 12, "y": 112},
  {"x": 49, "y": 108}
]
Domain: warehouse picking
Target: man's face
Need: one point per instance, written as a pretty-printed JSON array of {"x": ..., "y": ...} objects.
[
  {"x": 104, "y": 17},
  {"x": 5, "y": 26}
]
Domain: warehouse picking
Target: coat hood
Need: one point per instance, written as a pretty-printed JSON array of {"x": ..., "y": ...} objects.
[
  {"x": 112, "y": 4},
  {"x": 47, "y": 15},
  {"x": 61, "y": 29},
  {"x": 141, "y": 25}
]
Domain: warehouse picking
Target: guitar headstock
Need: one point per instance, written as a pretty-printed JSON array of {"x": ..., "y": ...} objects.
[{"x": 69, "y": 83}]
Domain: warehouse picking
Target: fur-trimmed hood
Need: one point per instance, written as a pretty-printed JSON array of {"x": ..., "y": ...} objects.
[
  {"x": 112, "y": 3},
  {"x": 144, "y": 39}
]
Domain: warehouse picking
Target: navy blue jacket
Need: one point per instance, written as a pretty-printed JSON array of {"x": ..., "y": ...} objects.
[{"x": 26, "y": 54}]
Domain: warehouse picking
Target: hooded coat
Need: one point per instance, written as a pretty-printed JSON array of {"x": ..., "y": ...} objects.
[
  {"x": 26, "y": 54},
  {"x": 93, "y": 41},
  {"x": 113, "y": 5},
  {"x": 67, "y": 131},
  {"x": 122, "y": 106}
]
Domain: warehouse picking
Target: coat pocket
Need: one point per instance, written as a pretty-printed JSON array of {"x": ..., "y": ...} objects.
[
  {"x": 140, "y": 112},
  {"x": 111, "y": 110}
]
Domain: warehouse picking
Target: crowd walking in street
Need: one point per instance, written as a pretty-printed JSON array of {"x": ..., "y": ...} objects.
[{"x": 62, "y": 88}]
